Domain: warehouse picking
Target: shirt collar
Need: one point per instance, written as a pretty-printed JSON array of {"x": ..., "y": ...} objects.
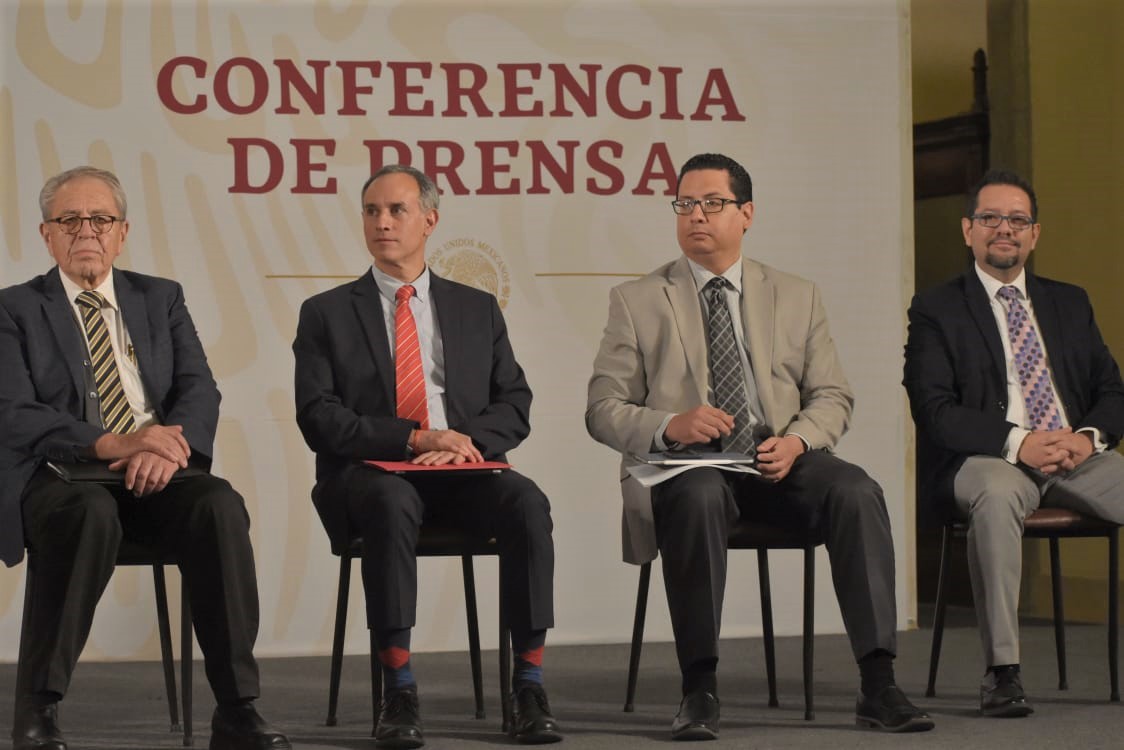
[
  {"x": 105, "y": 289},
  {"x": 388, "y": 285},
  {"x": 733, "y": 274},
  {"x": 992, "y": 285}
]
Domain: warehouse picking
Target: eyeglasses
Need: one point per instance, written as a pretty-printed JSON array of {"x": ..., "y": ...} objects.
[
  {"x": 992, "y": 221},
  {"x": 72, "y": 224},
  {"x": 709, "y": 205}
]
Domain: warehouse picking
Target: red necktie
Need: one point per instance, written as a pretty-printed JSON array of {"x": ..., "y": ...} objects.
[{"x": 409, "y": 382}]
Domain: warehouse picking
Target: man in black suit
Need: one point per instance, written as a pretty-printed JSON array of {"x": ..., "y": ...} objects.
[
  {"x": 1018, "y": 404},
  {"x": 98, "y": 364},
  {"x": 401, "y": 364}
]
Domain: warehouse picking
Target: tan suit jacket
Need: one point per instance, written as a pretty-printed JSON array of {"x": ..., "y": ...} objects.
[{"x": 652, "y": 363}]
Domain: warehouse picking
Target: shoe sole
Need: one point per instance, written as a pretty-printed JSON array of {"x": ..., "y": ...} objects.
[
  {"x": 695, "y": 734},
  {"x": 916, "y": 724},
  {"x": 539, "y": 738},
  {"x": 400, "y": 742},
  {"x": 1011, "y": 711}
]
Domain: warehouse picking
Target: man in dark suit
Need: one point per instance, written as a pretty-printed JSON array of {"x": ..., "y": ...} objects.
[
  {"x": 98, "y": 364},
  {"x": 1018, "y": 404},
  {"x": 401, "y": 364},
  {"x": 715, "y": 348}
]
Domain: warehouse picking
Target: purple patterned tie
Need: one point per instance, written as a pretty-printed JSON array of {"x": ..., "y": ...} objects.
[{"x": 1030, "y": 360}]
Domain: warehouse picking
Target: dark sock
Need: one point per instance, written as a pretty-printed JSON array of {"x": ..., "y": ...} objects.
[
  {"x": 702, "y": 675},
  {"x": 528, "y": 650},
  {"x": 394, "y": 655},
  {"x": 41, "y": 699},
  {"x": 877, "y": 672},
  {"x": 996, "y": 668}
]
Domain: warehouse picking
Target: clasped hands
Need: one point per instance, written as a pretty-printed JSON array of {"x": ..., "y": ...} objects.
[
  {"x": 1055, "y": 451},
  {"x": 149, "y": 456},
  {"x": 440, "y": 447},
  {"x": 775, "y": 455}
]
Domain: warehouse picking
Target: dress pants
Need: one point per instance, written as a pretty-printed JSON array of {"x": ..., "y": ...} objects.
[
  {"x": 995, "y": 497},
  {"x": 695, "y": 510},
  {"x": 73, "y": 532},
  {"x": 387, "y": 510}
]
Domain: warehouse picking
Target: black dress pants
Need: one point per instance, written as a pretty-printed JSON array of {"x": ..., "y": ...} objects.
[
  {"x": 73, "y": 532},
  {"x": 695, "y": 510},
  {"x": 387, "y": 510}
]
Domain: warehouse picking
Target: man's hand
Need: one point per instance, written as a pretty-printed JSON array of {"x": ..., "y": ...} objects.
[
  {"x": 1047, "y": 451},
  {"x": 775, "y": 456},
  {"x": 439, "y": 458},
  {"x": 445, "y": 441},
  {"x": 699, "y": 425},
  {"x": 1079, "y": 445},
  {"x": 145, "y": 472},
  {"x": 166, "y": 441}
]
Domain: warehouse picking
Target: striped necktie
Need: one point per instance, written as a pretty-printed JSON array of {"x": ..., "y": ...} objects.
[
  {"x": 726, "y": 375},
  {"x": 409, "y": 382},
  {"x": 1042, "y": 412},
  {"x": 116, "y": 414}
]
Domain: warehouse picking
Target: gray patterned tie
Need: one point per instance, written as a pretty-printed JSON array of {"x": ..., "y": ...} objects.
[{"x": 726, "y": 375}]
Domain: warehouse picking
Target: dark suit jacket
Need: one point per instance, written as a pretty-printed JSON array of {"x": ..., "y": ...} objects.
[
  {"x": 345, "y": 381},
  {"x": 42, "y": 380},
  {"x": 956, "y": 375}
]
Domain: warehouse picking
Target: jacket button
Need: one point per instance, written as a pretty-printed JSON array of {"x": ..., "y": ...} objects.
[{"x": 93, "y": 394}]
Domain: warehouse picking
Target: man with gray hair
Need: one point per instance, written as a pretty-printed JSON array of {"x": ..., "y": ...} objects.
[
  {"x": 403, "y": 365},
  {"x": 103, "y": 367}
]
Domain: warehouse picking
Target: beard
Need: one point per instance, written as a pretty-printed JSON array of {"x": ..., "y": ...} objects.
[{"x": 1002, "y": 261}]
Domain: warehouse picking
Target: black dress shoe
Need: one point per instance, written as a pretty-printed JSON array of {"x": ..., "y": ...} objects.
[
  {"x": 891, "y": 711},
  {"x": 1001, "y": 693},
  {"x": 532, "y": 722},
  {"x": 697, "y": 718},
  {"x": 399, "y": 722},
  {"x": 240, "y": 727},
  {"x": 37, "y": 728}
]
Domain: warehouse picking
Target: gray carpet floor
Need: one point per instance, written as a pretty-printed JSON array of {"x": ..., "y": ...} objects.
[{"x": 122, "y": 705}]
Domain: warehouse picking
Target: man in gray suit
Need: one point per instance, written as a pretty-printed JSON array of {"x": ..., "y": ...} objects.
[
  {"x": 716, "y": 349},
  {"x": 103, "y": 365}
]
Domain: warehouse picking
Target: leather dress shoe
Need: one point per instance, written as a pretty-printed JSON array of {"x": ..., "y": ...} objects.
[
  {"x": 891, "y": 711},
  {"x": 1001, "y": 693},
  {"x": 532, "y": 722},
  {"x": 399, "y": 723},
  {"x": 240, "y": 727},
  {"x": 37, "y": 728},
  {"x": 697, "y": 718}
]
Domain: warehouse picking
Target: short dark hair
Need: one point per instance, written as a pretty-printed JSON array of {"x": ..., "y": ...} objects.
[
  {"x": 740, "y": 184},
  {"x": 427, "y": 190},
  {"x": 1000, "y": 177}
]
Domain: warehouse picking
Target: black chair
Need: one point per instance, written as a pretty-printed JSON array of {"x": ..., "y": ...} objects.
[
  {"x": 135, "y": 553},
  {"x": 432, "y": 542},
  {"x": 1052, "y": 524},
  {"x": 761, "y": 537}
]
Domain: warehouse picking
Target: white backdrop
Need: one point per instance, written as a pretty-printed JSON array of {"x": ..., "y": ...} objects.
[{"x": 812, "y": 97}]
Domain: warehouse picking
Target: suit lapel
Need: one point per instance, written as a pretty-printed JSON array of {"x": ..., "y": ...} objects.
[
  {"x": 449, "y": 322},
  {"x": 1050, "y": 325},
  {"x": 979, "y": 307},
  {"x": 368, "y": 308},
  {"x": 758, "y": 305},
  {"x": 684, "y": 299},
  {"x": 61, "y": 318},
  {"x": 133, "y": 312}
]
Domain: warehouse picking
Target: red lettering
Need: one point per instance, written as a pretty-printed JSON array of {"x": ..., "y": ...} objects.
[
  {"x": 377, "y": 149},
  {"x": 164, "y": 86},
  {"x": 541, "y": 159},
  {"x": 403, "y": 90},
  {"x": 259, "y": 85},
  {"x": 613, "y": 92},
  {"x": 598, "y": 164},
  {"x": 305, "y": 165},
  {"x": 585, "y": 98},
  {"x": 489, "y": 168},
  {"x": 512, "y": 90},
  {"x": 670, "y": 93},
  {"x": 351, "y": 87},
  {"x": 658, "y": 166},
  {"x": 722, "y": 96},
  {"x": 457, "y": 91},
  {"x": 274, "y": 170},
  {"x": 311, "y": 93},
  {"x": 433, "y": 167}
]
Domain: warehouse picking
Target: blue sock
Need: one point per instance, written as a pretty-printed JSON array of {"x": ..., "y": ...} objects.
[{"x": 394, "y": 655}]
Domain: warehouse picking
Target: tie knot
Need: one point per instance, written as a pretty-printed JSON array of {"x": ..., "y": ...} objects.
[
  {"x": 1009, "y": 293},
  {"x": 716, "y": 286},
  {"x": 92, "y": 300},
  {"x": 404, "y": 293}
]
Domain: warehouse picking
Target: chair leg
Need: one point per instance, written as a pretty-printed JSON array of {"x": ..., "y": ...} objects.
[
  {"x": 165, "y": 630},
  {"x": 376, "y": 680},
  {"x": 505, "y": 670},
  {"x": 1113, "y": 613},
  {"x": 337, "y": 638},
  {"x": 473, "y": 633},
  {"x": 637, "y": 635},
  {"x": 767, "y": 624},
  {"x": 1059, "y": 610},
  {"x": 941, "y": 607},
  {"x": 187, "y": 650},
  {"x": 809, "y": 635}
]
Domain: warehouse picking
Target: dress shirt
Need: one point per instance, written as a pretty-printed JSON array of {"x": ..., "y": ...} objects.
[
  {"x": 429, "y": 337},
  {"x": 127, "y": 369},
  {"x": 1016, "y": 405}
]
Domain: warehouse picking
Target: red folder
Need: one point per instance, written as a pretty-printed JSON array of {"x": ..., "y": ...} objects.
[{"x": 405, "y": 467}]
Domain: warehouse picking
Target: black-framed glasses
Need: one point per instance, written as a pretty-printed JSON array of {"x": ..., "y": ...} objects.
[
  {"x": 1017, "y": 222},
  {"x": 72, "y": 223},
  {"x": 709, "y": 205}
]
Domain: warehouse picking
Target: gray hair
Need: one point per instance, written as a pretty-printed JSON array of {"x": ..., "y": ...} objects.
[
  {"x": 47, "y": 194},
  {"x": 427, "y": 190}
]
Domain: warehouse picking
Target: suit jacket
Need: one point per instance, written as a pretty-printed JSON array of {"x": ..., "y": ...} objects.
[
  {"x": 956, "y": 376},
  {"x": 345, "y": 381},
  {"x": 652, "y": 363},
  {"x": 43, "y": 380}
]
